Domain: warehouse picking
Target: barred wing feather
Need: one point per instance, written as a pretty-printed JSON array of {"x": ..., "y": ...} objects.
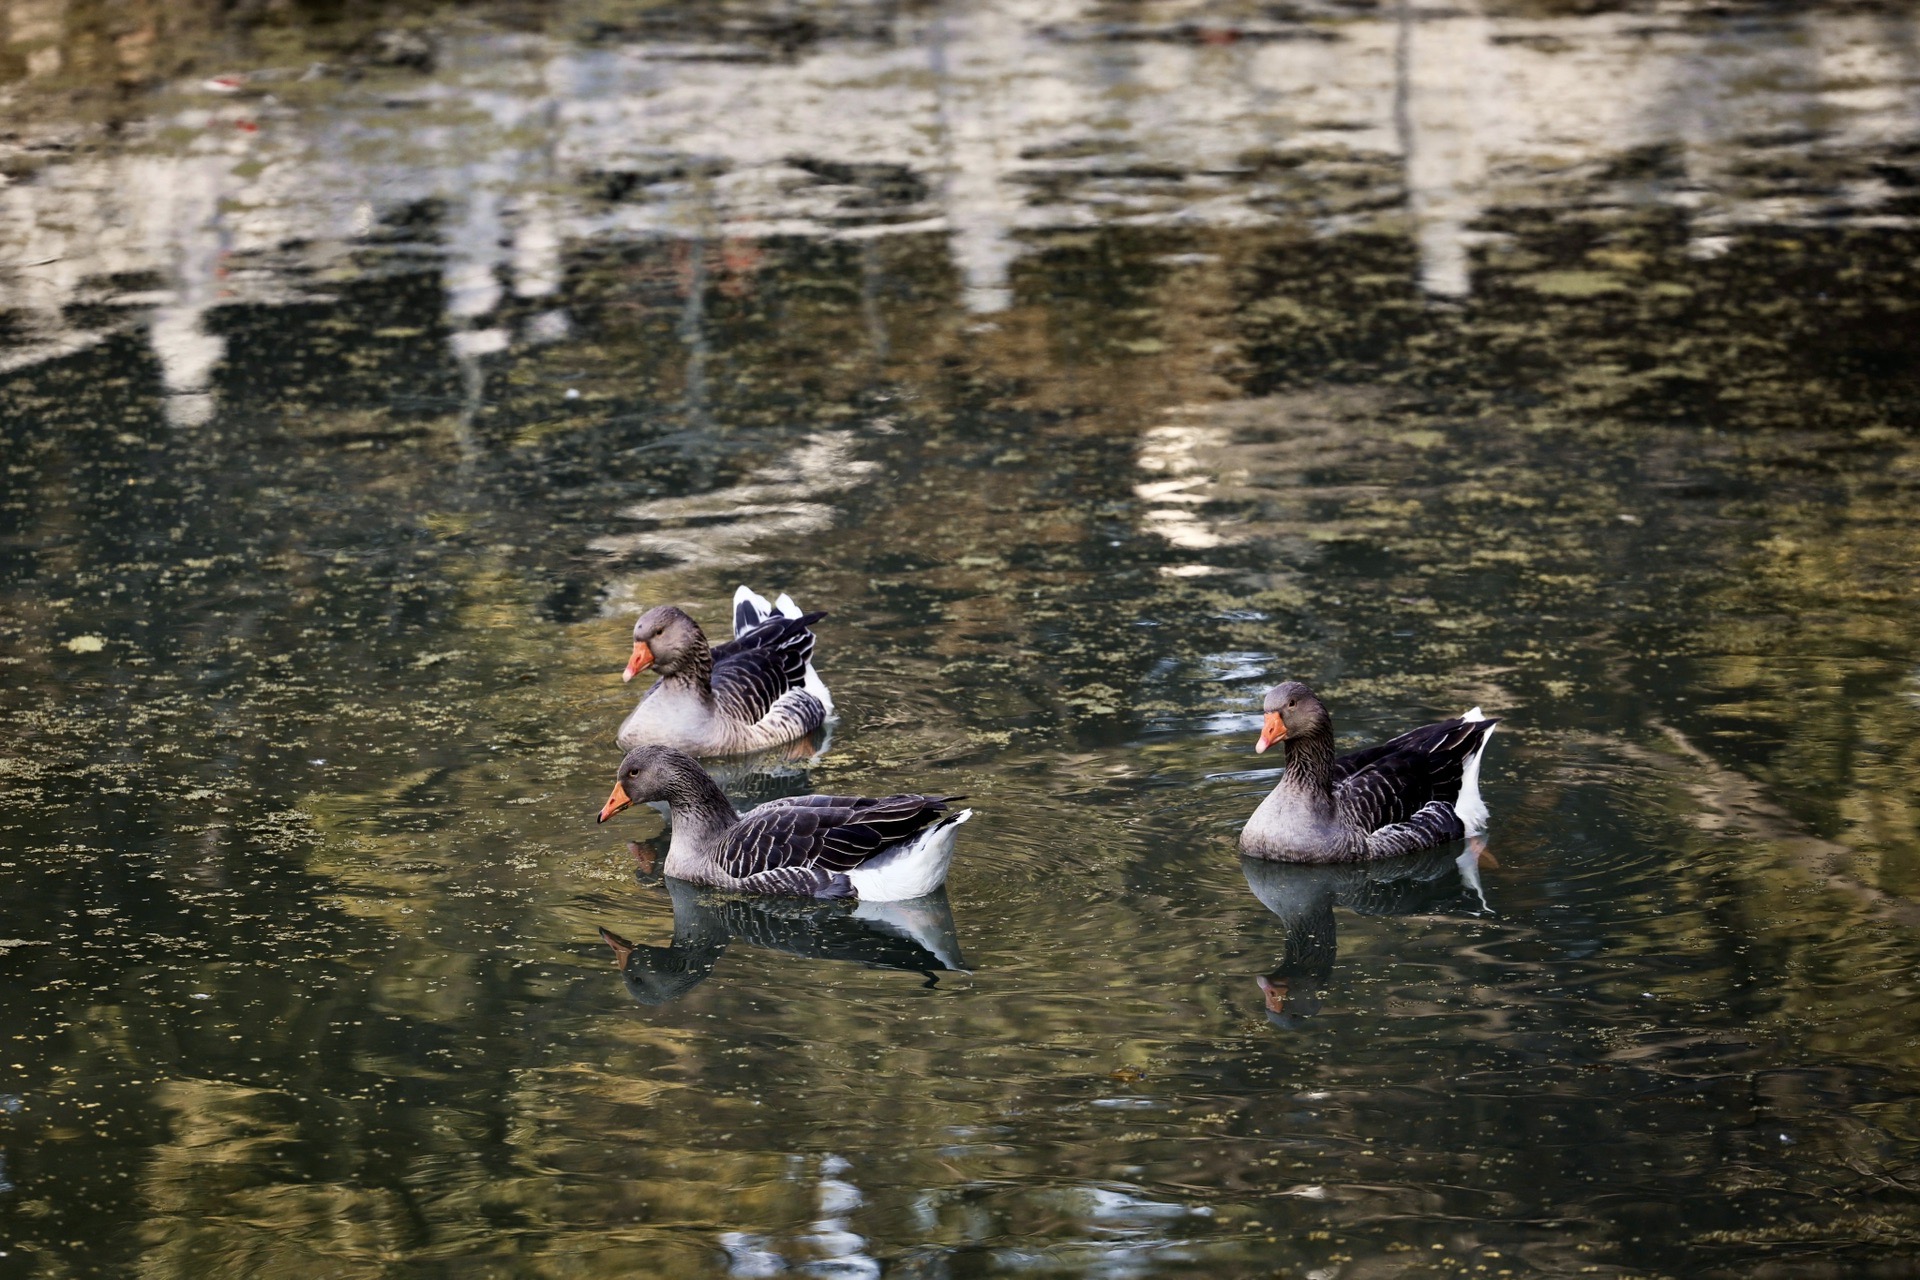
[
  {"x": 1433, "y": 823},
  {"x": 1398, "y": 781},
  {"x": 754, "y": 671},
  {"x": 830, "y": 834}
]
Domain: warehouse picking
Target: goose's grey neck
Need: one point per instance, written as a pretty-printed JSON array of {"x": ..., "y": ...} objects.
[
  {"x": 694, "y": 670},
  {"x": 1310, "y": 767},
  {"x": 701, "y": 812}
]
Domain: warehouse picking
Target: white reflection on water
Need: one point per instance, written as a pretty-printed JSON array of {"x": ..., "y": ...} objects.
[
  {"x": 1012, "y": 117},
  {"x": 1218, "y": 477},
  {"x": 1174, "y": 455},
  {"x": 836, "y": 1250},
  {"x": 784, "y": 499}
]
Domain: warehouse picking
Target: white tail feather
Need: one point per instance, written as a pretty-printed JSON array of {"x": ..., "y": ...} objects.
[
  {"x": 1469, "y": 805},
  {"x": 761, "y": 609},
  {"x": 911, "y": 870},
  {"x": 818, "y": 688},
  {"x": 786, "y": 608}
]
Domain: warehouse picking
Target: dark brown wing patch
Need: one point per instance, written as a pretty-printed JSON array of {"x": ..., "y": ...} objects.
[
  {"x": 1398, "y": 781},
  {"x": 825, "y": 833},
  {"x": 756, "y": 670}
]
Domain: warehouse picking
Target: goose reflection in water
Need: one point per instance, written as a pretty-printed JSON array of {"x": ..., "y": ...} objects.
[
  {"x": 916, "y": 936},
  {"x": 1437, "y": 881}
]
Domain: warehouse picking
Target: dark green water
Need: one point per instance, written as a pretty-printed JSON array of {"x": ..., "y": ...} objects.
[{"x": 1565, "y": 365}]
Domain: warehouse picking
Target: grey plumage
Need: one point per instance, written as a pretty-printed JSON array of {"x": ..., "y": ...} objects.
[
  {"x": 748, "y": 694},
  {"x": 1398, "y": 797},
  {"x": 797, "y": 846}
]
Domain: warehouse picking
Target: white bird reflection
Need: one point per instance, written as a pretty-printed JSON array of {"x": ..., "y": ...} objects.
[
  {"x": 830, "y": 1245},
  {"x": 785, "y": 499}
]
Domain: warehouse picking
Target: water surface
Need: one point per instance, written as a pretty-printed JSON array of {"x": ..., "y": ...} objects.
[{"x": 1559, "y": 363}]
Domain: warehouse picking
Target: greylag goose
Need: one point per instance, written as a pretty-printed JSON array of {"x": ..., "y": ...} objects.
[
  {"x": 883, "y": 850},
  {"x": 757, "y": 690},
  {"x": 1419, "y": 790},
  {"x": 916, "y": 937}
]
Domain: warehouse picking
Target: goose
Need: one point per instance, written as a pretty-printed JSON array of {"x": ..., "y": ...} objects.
[
  {"x": 881, "y": 850},
  {"x": 915, "y": 937},
  {"x": 1419, "y": 790},
  {"x": 757, "y": 690}
]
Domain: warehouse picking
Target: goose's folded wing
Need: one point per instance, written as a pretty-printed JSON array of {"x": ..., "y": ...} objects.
[
  {"x": 1433, "y": 823},
  {"x": 824, "y": 833},
  {"x": 799, "y": 882},
  {"x": 746, "y": 685},
  {"x": 776, "y": 632},
  {"x": 1389, "y": 790},
  {"x": 1429, "y": 760},
  {"x": 757, "y": 670}
]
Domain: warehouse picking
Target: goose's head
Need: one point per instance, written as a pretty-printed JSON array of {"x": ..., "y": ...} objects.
[
  {"x": 664, "y": 639},
  {"x": 1292, "y": 712},
  {"x": 649, "y": 773}
]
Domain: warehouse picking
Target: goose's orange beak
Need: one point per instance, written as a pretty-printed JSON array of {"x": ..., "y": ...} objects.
[
  {"x": 1274, "y": 994},
  {"x": 615, "y": 802},
  {"x": 642, "y": 659},
  {"x": 1275, "y": 730}
]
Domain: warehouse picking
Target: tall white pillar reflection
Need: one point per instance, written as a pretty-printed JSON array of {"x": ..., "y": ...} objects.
[
  {"x": 1442, "y": 68},
  {"x": 177, "y": 203},
  {"x": 973, "y": 50}
]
